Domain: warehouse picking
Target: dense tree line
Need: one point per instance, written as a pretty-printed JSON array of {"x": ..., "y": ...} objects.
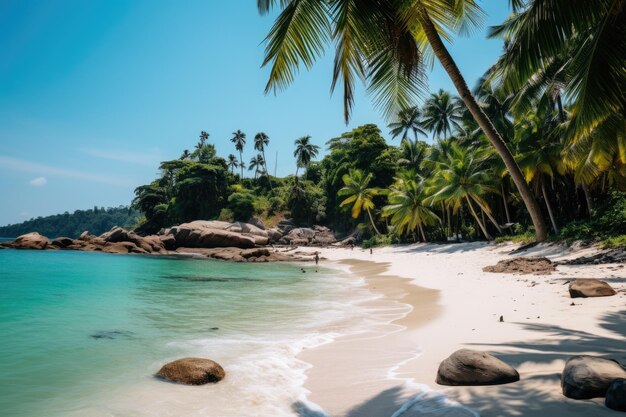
[{"x": 97, "y": 221}]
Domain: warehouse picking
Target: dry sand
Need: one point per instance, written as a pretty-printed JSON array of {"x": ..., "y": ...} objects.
[{"x": 436, "y": 299}]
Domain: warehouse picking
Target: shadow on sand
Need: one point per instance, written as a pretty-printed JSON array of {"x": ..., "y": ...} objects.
[{"x": 536, "y": 395}]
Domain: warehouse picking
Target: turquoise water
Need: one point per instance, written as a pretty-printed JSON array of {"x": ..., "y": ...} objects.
[{"x": 83, "y": 333}]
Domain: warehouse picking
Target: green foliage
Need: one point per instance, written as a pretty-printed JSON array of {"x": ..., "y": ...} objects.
[
  {"x": 523, "y": 238},
  {"x": 241, "y": 204},
  {"x": 306, "y": 202},
  {"x": 608, "y": 220},
  {"x": 96, "y": 221},
  {"x": 380, "y": 240}
]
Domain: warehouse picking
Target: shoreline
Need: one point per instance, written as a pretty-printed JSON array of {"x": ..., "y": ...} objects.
[{"x": 541, "y": 329}]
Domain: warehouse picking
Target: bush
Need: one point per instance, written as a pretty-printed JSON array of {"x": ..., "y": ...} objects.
[
  {"x": 378, "y": 241},
  {"x": 241, "y": 205},
  {"x": 226, "y": 215},
  {"x": 607, "y": 220}
]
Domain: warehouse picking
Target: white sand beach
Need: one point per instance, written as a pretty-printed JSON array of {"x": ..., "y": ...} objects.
[{"x": 436, "y": 299}]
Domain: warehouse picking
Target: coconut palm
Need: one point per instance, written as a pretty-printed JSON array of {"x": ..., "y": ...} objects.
[
  {"x": 461, "y": 178},
  {"x": 442, "y": 114},
  {"x": 261, "y": 140},
  {"x": 305, "y": 152},
  {"x": 406, "y": 209},
  {"x": 407, "y": 121},
  {"x": 540, "y": 154},
  {"x": 239, "y": 139},
  {"x": 383, "y": 43},
  {"x": 232, "y": 163},
  {"x": 592, "y": 34},
  {"x": 256, "y": 163},
  {"x": 359, "y": 195}
]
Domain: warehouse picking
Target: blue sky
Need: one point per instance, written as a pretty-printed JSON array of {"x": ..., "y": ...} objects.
[{"x": 93, "y": 94}]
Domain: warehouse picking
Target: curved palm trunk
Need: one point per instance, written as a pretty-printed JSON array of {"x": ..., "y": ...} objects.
[
  {"x": 422, "y": 232},
  {"x": 506, "y": 204},
  {"x": 480, "y": 224},
  {"x": 587, "y": 198},
  {"x": 491, "y": 218},
  {"x": 549, "y": 206},
  {"x": 444, "y": 57},
  {"x": 369, "y": 213}
]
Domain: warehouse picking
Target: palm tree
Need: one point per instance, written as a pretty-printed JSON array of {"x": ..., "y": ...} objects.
[
  {"x": 185, "y": 155},
  {"x": 232, "y": 163},
  {"x": 413, "y": 153},
  {"x": 358, "y": 194},
  {"x": 406, "y": 209},
  {"x": 442, "y": 114},
  {"x": 261, "y": 140},
  {"x": 383, "y": 43},
  {"x": 305, "y": 151},
  {"x": 239, "y": 139},
  {"x": 462, "y": 178},
  {"x": 256, "y": 164},
  {"x": 407, "y": 121}
]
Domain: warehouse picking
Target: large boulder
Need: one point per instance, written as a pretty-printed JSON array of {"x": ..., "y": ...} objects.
[
  {"x": 31, "y": 241},
  {"x": 616, "y": 395},
  {"x": 62, "y": 242},
  {"x": 255, "y": 221},
  {"x": 590, "y": 287},
  {"x": 471, "y": 367},
  {"x": 274, "y": 235},
  {"x": 192, "y": 371},
  {"x": 147, "y": 244},
  {"x": 209, "y": 234},
  {"x": 587, "y": 377}
]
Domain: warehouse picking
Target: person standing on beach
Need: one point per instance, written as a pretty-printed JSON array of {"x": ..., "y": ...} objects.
[{"x": 317, "y": 258}]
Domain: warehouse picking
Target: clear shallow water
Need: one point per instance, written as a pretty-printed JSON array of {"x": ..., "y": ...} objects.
[{"x": 82, "y": 333}]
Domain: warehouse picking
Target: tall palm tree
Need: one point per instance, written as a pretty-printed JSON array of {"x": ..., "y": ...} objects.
[
  {"x": 442, "y": 114},
  {"x": 256, "y": 163},
  {"x": 407, "y": 121},
  {"x": 239, "y": 139},
  {"x": 406, "y": 208},
  {"x": 413, "y": 153},
  {"x": 261, "y": 140},
  {"x": 232, "y": 163},
  {"x": 359, "y": 195},
  {"x": 462, "y": 178},
  {"x": 305, "y": 151},
  {"x": 383, "y": 43}
]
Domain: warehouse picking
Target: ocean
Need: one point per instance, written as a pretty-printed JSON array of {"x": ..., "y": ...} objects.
[{"x": 83, "y": 333}]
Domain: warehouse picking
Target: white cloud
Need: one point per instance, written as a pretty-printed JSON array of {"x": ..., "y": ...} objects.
[
  {"x": 38, "y": 182},
  {"x": 14, "y": 164},
  {"x": 150, "y": 158}
]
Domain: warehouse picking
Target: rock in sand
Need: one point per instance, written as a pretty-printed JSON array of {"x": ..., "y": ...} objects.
[
  {"x": 472, "y": 367},
  {"x": 590, "y": 287},
  {"x": 192, "y": 371},
  {"x": 616, "y": 395},
  {"x": 587, "y": 377}
]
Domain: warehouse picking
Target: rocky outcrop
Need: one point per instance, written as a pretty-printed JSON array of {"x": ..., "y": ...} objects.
[
  {"x": 244, "y": 255},
  {"x": 192, "y": 371},
  {"x": 62, "y": 242},
  {"x": 587, "y": 377},
  {"x": 303, "y": 236},
  {"x": 207, "y": 234},
  {"x": 30, "y": 241},
  {"x": 616, "y": 395},
  {"x": 471, "y": 367},
  {"x": 590, "y": 287}
]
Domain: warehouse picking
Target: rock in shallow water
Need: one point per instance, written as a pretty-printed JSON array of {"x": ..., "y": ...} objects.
[
  {"x": 587, "y": 377},
  {"x": 192, "y": 371},
  {"x": 616, "y": 395},
  {"x": 472, "y": 367},
  {"x": 590, "y": 287}
]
